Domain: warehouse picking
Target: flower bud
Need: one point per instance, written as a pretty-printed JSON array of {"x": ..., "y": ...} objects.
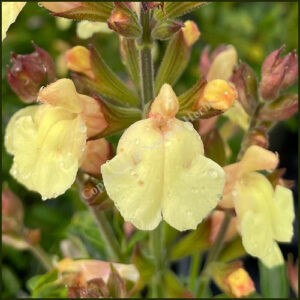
[
  {"x": 124, "y": 21},
  {"x": 12, "y": 212},
  {"x": 217, "y": 218},
  {"x": 165, "y": 106},
  {"x": 217, "y": 94},
  {"x": 29, "y": 72},
  {"x": 222, "y": 64},
  {"x": 281, "y": 109},
  {"x": 240, "y": 283},
  {"x": 151, "y": 5},
  {"x": 245, "y": 82},
  {"x": 177, "y": 55},
  {"x": 59, "y": 7},
  {"x": 78, "y": 60},
  {"x": 165, "y": 29},
  {"x": 96, "y": 153},
  {"x": 232, "y": 278},
  {"x": 190, "y": 32},
  {"x": 277, "y": 73}
]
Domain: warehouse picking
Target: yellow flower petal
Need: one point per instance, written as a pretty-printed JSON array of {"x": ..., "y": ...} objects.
[
  {"x": 223, "y": 64},
  {"x": 61, "y": 93},
  {"x": 193, "y": 184},
  {"x": 133, "y": 179},
  {"x": 257, "y": 239},
  {"x": 283, "y": 214},
  {"x": 9, "y": 133},
  {"x": 10, "y": 11},
  {"x": 43, "y": 161},
  {"x": 255, "y": 207},
  {"x": 257, "y": 158}
]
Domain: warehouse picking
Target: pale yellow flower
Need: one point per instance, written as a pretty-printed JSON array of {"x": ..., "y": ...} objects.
[
  {"x": 264, "y": 215},
  {"x": 160, "y": 171},
  {"x": 10, "y": 11},
  {"x": 86, "y": 29},
  {"x": 48, "y": 140}
]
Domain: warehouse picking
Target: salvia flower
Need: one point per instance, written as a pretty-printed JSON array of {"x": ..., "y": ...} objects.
[
  {"x": 264, "y": 215},
  {"x": 159, "y": 162},
  {"x": 48, "y": 140},
  {"x": 30, "y": 72},
  {"x": 59, "y": 7}
]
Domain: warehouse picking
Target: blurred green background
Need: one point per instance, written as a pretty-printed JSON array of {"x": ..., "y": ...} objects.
[{"x": 255, "y": 29}]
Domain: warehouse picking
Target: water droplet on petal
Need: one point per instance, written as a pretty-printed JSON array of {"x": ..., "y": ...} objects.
[
  {"x": 234, "y": 193},
  {"x": 212, "y": 173}
]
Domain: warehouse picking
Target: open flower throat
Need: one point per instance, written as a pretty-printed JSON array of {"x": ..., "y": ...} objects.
[{"x": 160, "y": 171}]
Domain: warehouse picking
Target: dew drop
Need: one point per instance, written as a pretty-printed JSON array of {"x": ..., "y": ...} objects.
[
  {"x": 212, "y": 173},
  {"x": 234, "y": 193},
  {"x": 137, "y": 141},
  {"x": 226, "y": 93},
  {"x": 194, "y": 190},
  {"x": 82, "y": 128},
  {"x": 189, "y": 213}
]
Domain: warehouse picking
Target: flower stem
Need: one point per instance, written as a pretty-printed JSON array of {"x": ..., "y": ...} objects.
[
  {"x": 146, "y": 63},
  {"x": 213, "y": 255},
  {"x": 194, "y": 270},
  {"x": 157, "y": 250},
  {"x": 107, "y": 234},
  {"x": 42, "y": 256}
]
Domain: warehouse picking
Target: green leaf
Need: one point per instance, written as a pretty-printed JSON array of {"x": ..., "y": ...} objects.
[
  {"x": 174, "y": 62},
  {"x": 91, "y": 11},
  {"x": 232, "y": 250},
  {"x": 107, "y": 82},
  {"x": 273, "y": 282},
  {"x": 195, "y": 241},
  {"x": 174, "y": 287},
  {"x": 176, "y": 9},
  {"x": 11, "y": 284},
  {"x": 40, "y": 280}
]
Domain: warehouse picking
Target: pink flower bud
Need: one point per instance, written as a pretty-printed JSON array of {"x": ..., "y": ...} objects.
[
  {"x": 277, "y": 73},
  {"x": 29, "y": 72},
  {"x": 12, "y": 212}
]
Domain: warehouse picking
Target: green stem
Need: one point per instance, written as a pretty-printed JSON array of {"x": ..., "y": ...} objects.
[
  {"x": 194, "y": 270},
  {"x": 252, "y": 126},
  {"x": 146, "y": 63},
  {"x": 213, "y": 255},
  {"x": 42, "y": 256},
  {"x": 157, "y": 250},
  {"x": 107, "y": 234}
]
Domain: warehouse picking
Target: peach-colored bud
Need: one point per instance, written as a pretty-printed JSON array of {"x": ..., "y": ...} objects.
[
  {"x": 93, "y": 115},
  {"x": 33, "y": 236},
  {"x": 190, "y": 32},
  {"x": 96, "y": 153},
  {"x": 58, "y": 7},
  {"x": 240, "y": 283},
  {"x": 165, "y": 106},
  {"x": 217, "y": 94},
  {"x": 12, "y": 211},
  {"x": 216, "y": 222},
  {"x": 78, "y": 60}
]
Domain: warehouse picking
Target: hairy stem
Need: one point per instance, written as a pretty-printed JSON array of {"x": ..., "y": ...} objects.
[
  {"x": 42, "y": 256},
  {"x": 157, "y": 250},
  {"x": 107, "y": 234},
  {"x": 146, "y": 63}
]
